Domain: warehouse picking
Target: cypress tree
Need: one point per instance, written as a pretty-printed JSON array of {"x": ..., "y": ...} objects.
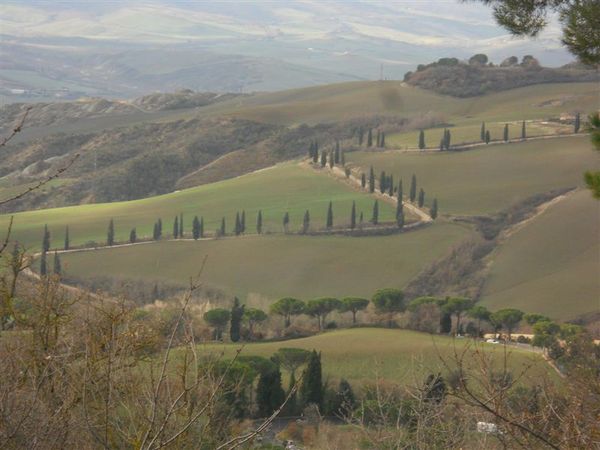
[
  {"x": 310, "y": 150},
  {"x": 382, "y": 182},
  {"x": 399, "y": 205},
  {"x": 523, "y": 131},
  {"x": 421, "y": 200},
  {"x": 43, "y": 268},
  {"x": 378, "y": 138},
  {"x": 433, "y": 212},
  {"x": 505, "y": 132},
  {"x": 196, "y": 228},
  {"x": 269, "y": 393},
  {"x": 243, "y": 221},
  {"x": 330, "y": 160},
  {"x": 323, "y": 159},
  {"x": 400, "y": 219},
  {"x": 363, "y": 180},
  {"x": 159, "y": 227},
  {"x": 370, "y": 138},
  {"x": 311, "y": 390},
  {"x": 448, "y": 139},
  {"x": 337, "y": 152},
  {"x": 110, "y": 235},
  {"x": 155, "y": 232},
  {"x": 222, "y": 230},
  {"x": 181, "y": 225},
  {"x": 375, "y": 217},
  {"x": 487, "y": 136},
  {"x": 361, "y": 218},
  {"x": 67, "y": 240},
  {"x": 353, "y": 216},
  {"x": 306, "y": 222},
  {"x": 372, "y": 180},
  {"x": 391, "y": 186},
  {"x": 342, "y": 157},
  {"x": 361, "y": 136},
  {"x": 315, "y": 155},
  {"x": 175, "y": 228},
  {"x": 237, "y": 312},
  {"x": 445, "y": 323},
  {"x": 482, "y": 132},
  {"x": 442, "y": 144},
  {"x": 577, "y": 123},
  {"x": 421, "y": 139},
  {"x": 238, "y": 224},
  {"x": 46, "y": 239},
  {"x": 57, "y": 267},
  {"x": 259, "y": 222},
  {"x": 413, "y": 188},
  {"x": 330, "y": 215},
  {"x": 132, "y": 236},
  {"x": 286, "y": 222},
  {"x": 382, "y": 139}
]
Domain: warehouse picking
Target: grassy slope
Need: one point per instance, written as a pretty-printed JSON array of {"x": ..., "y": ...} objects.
[
  {"x": 278, "y": 266},
  {"x": 356, "y": 99},
  {"x": 362, "y": 354},
  {"x": 551, "y": 266},
  {"x": 488, "y": 179},
  {"x": 276, "y": 190}
]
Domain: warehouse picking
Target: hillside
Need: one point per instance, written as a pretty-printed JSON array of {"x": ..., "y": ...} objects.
[{"x": 449, "y": 76}]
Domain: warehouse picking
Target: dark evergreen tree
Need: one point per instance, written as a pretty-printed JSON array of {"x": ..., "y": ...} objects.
[
  {"x": 323, "y": 159},
  {"x": 391, "y": 186},
  {"x": 201, "y": 227},
  {"x": 399, "y": 204},
  {"x": 238, "y": 225},
  {"x": 382, "y": 182},
  {"x": 375, "y": 217},
  {"x": 286, "y": 222},
  {"x": 445, "y": 323},
  {"x": 413, "y": 188},
  {"x": 306, "y": 222},
  {"x": 482, "y": 132},
  {"x": 435, "y": 389},
  {"x": 400, "y": 219},
  {"x": 353, "y": 216},
  {"x": 237, "y": 313},
  {"x": 259, "y": 222},
  {"x": 371, "y": 180},
  {"x": 433, "y": 212},
  {"x": 487, "y": 136},
  {"x": 181, "y": 225},
  {"x": 382, "y": 139},
  {"x": 67, "y": 239},
  {"x": 336, "y": 156},
  {"x": 311, "y": 150},
  {"x": 43, "y": 266},
  {"x": 342, "y": 157},
  {"x": 196, "y": 228},
  {"x": 370, "y": 138},
  {"x": 57, "y": 267},
  {"x": 448, "y": 139},
  {"x": 577, "y": 124},
  {"x": 155, "y": 232},
  {"x": 330, "y": 215},
  {"x": 361, "y": 136},
  {"x": 159, "y": 223},
  {"x": 421, "y": 200},
  {"x": 132, "y": 236},
  {"x": 222, "y": 230},
  {"x": 315, "y": 156},
  {"x": 176, "y": 228},
  {"x": 46, "y": 239},
  {"x": 269, "y": 393},
  {"x": 442, "y": 145},
  {"x": 343, "y": 402},
  {"x": 311, "y": 390},
  {"x": 330, "y": 160},
  {"x": 505, "y": 132},
  {"x": 378, "y": 139},
  {"x": 110, "y": 234},
  {"x": 243, "y": 221},
  {"x": 363, "y": 180},
  {"x": 421, "y": 139},
  {"x": 523, "y": 131}
]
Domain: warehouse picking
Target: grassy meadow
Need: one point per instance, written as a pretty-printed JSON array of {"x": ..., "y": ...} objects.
[
  {"x": 276, "y": 266},
  {"x": 283, "y": 188},
  {"x": 551, "y": 265},
  {"x": 487, "y": 179},
  {"x": 361, "y": 355}
]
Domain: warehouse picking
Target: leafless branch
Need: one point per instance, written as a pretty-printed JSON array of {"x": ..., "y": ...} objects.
[{"x": 17, "y": 128}]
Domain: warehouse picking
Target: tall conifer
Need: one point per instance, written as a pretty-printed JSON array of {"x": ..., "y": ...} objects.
[
  {"x": 330, "y": 215},
  {"x": 413, "y": 188}
]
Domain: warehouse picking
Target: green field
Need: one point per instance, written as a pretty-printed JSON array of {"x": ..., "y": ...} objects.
[
  {"x": 488, "y": 179},
  {"x": 552, "y": 265},
  {"x": 362, "y": 354},
  {"x": 277, "y": 266},
  {"x": 472, "y": 133},
  {"x": 341, "y": 101},
  {"x": 286, "y": 187}
]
